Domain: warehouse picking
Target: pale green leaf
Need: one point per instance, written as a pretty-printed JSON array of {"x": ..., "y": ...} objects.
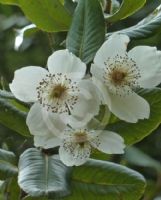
[
  {"x": 41, "y": 174},
  {"x": 148, "y": 27},
  {"x": 6, "y": 94}
]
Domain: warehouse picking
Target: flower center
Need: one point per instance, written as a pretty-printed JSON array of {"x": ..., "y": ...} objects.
[
  {"x": 121, "y": 75},
  {"x": 81, "y": 137},
  {"x": 57, "y": 93},
  {"x": 118, "y": 77}
]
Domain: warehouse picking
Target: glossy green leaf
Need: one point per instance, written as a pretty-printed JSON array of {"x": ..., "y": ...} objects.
[
  {"x": 43, "y": 175},
  {"x": 87, "y": 32},
  {"x": 12, "y": 117},
  {"x": 127, "y": 8},
  {"x": 10, "y": 2},
  {"x": 8, "y": 166},
  {"x": 134, "y": 132},
  {"x": 50, "y": 16},
  {"x": 102, "y": 180}
]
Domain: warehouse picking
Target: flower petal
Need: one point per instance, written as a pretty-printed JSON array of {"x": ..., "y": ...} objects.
[
  {"x": 47, "y": 141},
  {"x": 110, "y": 143},
  {"x": 25, "y": 82},
  {"x": 97, "y": 72},
  {"x": 41, "y": 124},
  {"x": 116, "y": 44},
  {"x": 55, "y": 122},
  {"x": 102, "y": 91},
  {"x": 74, "y": 154},
  {"x": 63, "y": 61},
  {"x": 148, "y": 60},
  {"x": 87, "y": 105},
  {"x": 129, "y": 108}
]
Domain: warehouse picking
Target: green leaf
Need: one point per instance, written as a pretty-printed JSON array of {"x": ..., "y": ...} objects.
[
  {"x": 8, "y": 166},
  {"x": 12, "y": 190},
  {"x": 34, "y": 198},
  {"x": 105, "y": 180},
  {"x": 50, "y": 16},
  {"x": 6, "y": 94},
  {"x": 87, "y": 32},
  {"x": 134, "y": 132},
  {"x": 136, "y": 157},
  {"x": 10, "y": 2},
  {"x": 43, "y": 175},
  {"x": 145, "y": 28},
  {"x": 128, "y": 7},
  {"x": 12, "y": 117}
]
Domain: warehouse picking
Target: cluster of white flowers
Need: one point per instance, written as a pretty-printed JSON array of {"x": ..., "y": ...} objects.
[{"x": 65, "y": 99}]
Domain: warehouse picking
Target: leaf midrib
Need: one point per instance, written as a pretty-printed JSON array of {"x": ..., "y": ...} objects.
[{"x": 103, "y": 184}]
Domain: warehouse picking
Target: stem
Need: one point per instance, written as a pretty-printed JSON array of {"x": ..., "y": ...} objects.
[
  {"x": 51, "y": 41},
  {"x": 108, "y": 6},
  {"x": 108, "y": 11}
]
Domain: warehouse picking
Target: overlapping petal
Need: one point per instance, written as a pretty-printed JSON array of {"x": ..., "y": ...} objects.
[
  {"x": 44, "y": 136},
  {"x": 87, "y": 105}
]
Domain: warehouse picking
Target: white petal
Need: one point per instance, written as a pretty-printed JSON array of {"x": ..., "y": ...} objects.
[
  {"x": 130, "y": 108},
  {"x": 110, "y": 143},
  {"x": 46, "y": 141},
  {"x": 74, "y": 154},
  {"x": 55, "y": 122},
  {"x": 148, "y": 59},
  {"x": 63, "y": 61},
  {"x": 87, "y": 106},
  {"x": 102, "y": 91},
  {"x": 25, "y": 82},
  {"x": 41, "y": 124},
  {"x": 116, "y": 44},
  {"x": 97, "y": 72}
]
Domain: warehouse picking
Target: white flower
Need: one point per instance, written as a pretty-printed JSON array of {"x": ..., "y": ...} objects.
[
  {"x": 59, "y": 91},
  {"x": 75, "y": 143},
  {"x": 118, "y": 73}
]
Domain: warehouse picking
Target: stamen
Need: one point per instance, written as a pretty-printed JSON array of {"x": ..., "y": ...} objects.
[
  {"x": 57, "y": 93},
  {"x": 79, "y": 142},
  {"x": 81, "y": 137},
  {"x": 121, "y": 75}
]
